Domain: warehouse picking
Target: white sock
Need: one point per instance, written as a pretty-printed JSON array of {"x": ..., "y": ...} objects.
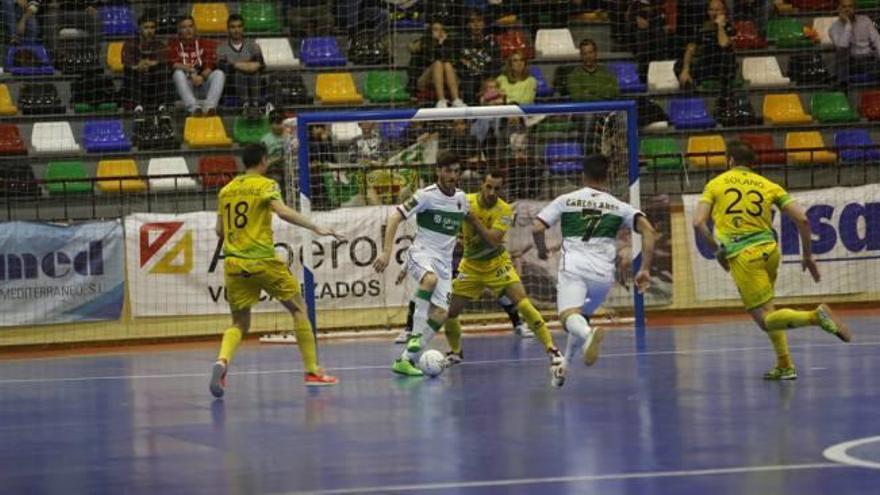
[
  {"x": 578, "y": 331},
  {"x": 420, "y": 324},
  {"x": 572, "y": 346},
  {"x": 427, "y": 335}
]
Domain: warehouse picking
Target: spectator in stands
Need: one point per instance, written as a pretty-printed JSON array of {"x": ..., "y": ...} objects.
[
  {"x": 79, "y": 15},
  {"x": 857, "y": 43},
  {"x": 194, "y": 63},
  {"x": 20, "y": 20},
  {"x": 146, "y": 71},
  {"x": 516, "y": 82},
  {"x": 591, "y": 81},
  {"x": 649, "y": 33},
  {"x": 437, "y": 51},
  {"x": 710, "y": 55},
  {"x": 276, "y": 141},
  {"x": 309, "y": 17},
  {"x": 479, "y": 57},
  {"x": 242, "y": 61}
]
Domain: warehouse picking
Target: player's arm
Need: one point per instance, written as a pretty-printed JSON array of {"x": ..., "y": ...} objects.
[
  {"x": 701, "y": 228},
  {"x": 649, "y": 239},
  {"x": 292, "y": 216},
  {"x": 796, "y": 213},
  {"x": 390, "y": 232},
  {"x": 493, "y": 237},
  {"x": 538, "y": 229}
]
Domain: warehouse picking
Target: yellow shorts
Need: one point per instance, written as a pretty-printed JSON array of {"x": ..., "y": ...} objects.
[
  {"x": 245, "y": 279},
  {"x": 471, "y": 283},
  {"x": 754, "y": 271}
]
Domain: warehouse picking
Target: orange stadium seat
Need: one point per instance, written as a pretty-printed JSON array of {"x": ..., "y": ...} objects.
[
  {"x": 201, "y": 132},
  {"x": 114, "y": 56},
  {"x": 111, "y": 171},
  {"x": 785, "y": 109},
  {"x": 337, "y": 88},
  {"x": 210, "y": 17},
  {"x": 810, "y": 141},
  {"x": 7, "y": 107},
  {"x": 706, "y": 151}
]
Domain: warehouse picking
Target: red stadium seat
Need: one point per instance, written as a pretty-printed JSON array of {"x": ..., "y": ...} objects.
[
  {"x": 764, "y": 148},
  {"x": 216, "y": 171},
  {"x": 813, "y": 5},
  {"x": 869, "y": 105},
  {"x": 514, "y": 41},
  {"x": 747, "y": 36},
  {"x": 11, "y": 142}
]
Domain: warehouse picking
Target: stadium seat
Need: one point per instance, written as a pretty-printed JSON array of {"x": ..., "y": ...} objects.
[
  {"x": 201, "y": 132},
  {"x": 763, "y": 72},
  {"x": 627, "y": 77},
  {"x": 63, "y": 172},
  {"x": 707, "y": 151},
  {"x": 288, "y": 90},
  {"x": 260, "y": 17},
  {"x": 277, "y": 53},
  {"x": 660, "y": 153},
  {"x": 114, "y": 56},
  {"x": 217, "y": 171},
  {"x": 868, "y": 4},
  {"x": 555, "y": 44},
  {"x": 321, "y": 52},
  {"x": 513, "y": 41},
  {"x": 394, "y": 130},
  {"x": 7, "y": 107},
  {"x": 808, "y": 68},
  {"x": 690, "y": 113},
  {"x": 168, "y": 16},
  {"x": 110, "y": 173},
  {"x": 175, "y": 165},
  {"x": 93, "y": 93},
  {"x": 821, "y": 25},
  {"x": 832, "y": 107},
  {"x": 337, "y": 88},
  {"x": 765, "y": 148},
  {"x": 784, "y": 109},
  {"x": 369, "y": 48},
  {"x": 814, "y": 5},
  {"x": 661, "y": 76},
  {"x": 77, "y": 58},
  {"x": 100, "y": 136},
  {"x": 544, "y": 87},
  {"x": 53, "y": 137},
  {"x": 787, "y": 32},
  {"x": 869, "y": 104},
  {"x": 345, "y": 132},
  {"x": 386, "y": 86},
  {"x": 855, "y": 145},
  {"x": 564, "y": 158},
  {"x": 811, "y": 141},
  {"x": 17, "y": 181},
  {"x": 11, "y": 142},
  {"x": 117, "y": 21},
  {"x": 29, "y": 60},
  {"x": 210, "y": 17},
  {"x": 154, "y": 132},
  {"x": 747, "y": 36},
  {"x": 245, "y": 131},
  {"x": 39, "y": 99},
  {"x": 736, "y": 110}
]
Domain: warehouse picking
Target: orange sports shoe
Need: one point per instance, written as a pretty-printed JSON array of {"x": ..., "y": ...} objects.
[{"x": 320, "y": 379}]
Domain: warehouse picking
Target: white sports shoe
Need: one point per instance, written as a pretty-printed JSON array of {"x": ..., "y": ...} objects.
[
  {"x": 457, "y": 103},
  {"x": 442, "y": 104},
  {"x": 402, "y": 337},
  {"x": 522, "y": 330},
  {"x": 590, "y": 349},
  {"x": 557, "y": 375}
]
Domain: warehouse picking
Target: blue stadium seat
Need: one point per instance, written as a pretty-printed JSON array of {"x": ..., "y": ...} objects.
[
  {"x": 321, "y": 52},
  {"x": 544, "y": 88},
  {"x": 30, "y": 59},
  {"x": 117, "y": 21},
  {"x": 690, "y": 113},
  {"x": 394, "y": 130},
  {"x": 849, "y": 145},
  {"x": 105, "y": 135},
  {"x": 564, "y": 158},
  {"x": 627, "y": 77}
]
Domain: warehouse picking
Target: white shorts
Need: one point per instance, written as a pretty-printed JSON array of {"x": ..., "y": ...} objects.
[
  {"x": 574, "y": 291},
  {"x": 418, "y": 264}
]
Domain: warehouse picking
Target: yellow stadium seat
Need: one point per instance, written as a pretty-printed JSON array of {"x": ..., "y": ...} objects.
[
  {"x": 811, "y": 140},
  {"x": 111, "y": 169},
  {"x": 210, "y": 17},
  {"x": 337, "y": 88},
  {"x": 114, "y": 56},
  {"x": 785, "y": 109},
  {"x": 6, "y": 105},
  {"x": 699, "y": 147},
  {"x": 200, "y": 132}
]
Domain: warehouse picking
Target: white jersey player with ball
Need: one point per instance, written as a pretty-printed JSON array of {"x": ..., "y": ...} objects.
[{"x": 590, "y": 219}]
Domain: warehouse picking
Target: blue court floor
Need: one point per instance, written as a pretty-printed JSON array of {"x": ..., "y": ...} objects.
[{"x": 689, "y": 416}]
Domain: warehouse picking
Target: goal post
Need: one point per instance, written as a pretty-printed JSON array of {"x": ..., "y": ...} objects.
[{"x": 613, "y": 136}]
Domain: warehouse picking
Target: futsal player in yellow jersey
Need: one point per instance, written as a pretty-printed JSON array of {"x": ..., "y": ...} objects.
[
  {"x": 244, "y": 222},
  {"x": 740, "y": 202},
  {"x": 488, "y": 266}
]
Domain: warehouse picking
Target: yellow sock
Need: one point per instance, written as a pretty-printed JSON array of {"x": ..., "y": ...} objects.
[
  {"x": 231, "y": 340},
  {"x": 780, "y": 345},
  {"x": 305, "y": 339},
  {"x": 785, "y": 318},
  {"x": 452, "y": 328},
  {"x": 536, "y": 322}
]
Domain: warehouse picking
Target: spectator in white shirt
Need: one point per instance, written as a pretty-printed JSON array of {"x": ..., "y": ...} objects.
[{"x": 857, "y": 43}]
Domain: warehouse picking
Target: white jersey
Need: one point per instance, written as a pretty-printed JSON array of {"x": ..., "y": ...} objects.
[
  {"x": 590, "y": 220},
  {"x": 438, "y": 218}
]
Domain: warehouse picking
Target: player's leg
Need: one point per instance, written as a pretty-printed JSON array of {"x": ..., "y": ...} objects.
[
  {"x": 241, "y": 323},
  {"x": 452, "y": 327},
  {"x": 404, "y": 334},
  {"x": 597, "y": 291},
  {"x": 432, "y": 303},
  {"x": 520, "y": 328},
  {"x": 517, "y": 294},
  {"x": 242, "y": 292},
  {"x": 570, "y": 294}
]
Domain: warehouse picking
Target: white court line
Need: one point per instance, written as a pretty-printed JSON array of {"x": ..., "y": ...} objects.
[
  {"x": 838, "y": 453},
  {"x": 12, "y": 381},
  {"x": 570, "y": 479}
]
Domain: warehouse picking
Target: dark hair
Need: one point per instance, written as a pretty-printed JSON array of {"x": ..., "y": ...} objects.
[
  {"x": 498, "y": 173},
  {"x": 234, "y": 17},
  {"x": 447, "y": 158},
  {"x": 742, "y": 153},
  {"x": 596, "y": 166},
  {"x": 148, "y": 15},
  {"x": 586, "y": 42},
  {"x": 186, "y": 18},
  {"x": 475, "y": 13},
  {"x": 276, "y": 117},
  {"x": 253, "y": 154}
]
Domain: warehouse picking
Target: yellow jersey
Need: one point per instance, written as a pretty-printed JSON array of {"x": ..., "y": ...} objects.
[
  {"x": 741, "y": 202},
  {"x": 244, "y": 209},
  {"x": 478, "y": 254}
]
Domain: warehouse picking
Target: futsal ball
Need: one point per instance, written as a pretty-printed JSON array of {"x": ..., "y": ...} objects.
[{"x": 432, "y": 363}]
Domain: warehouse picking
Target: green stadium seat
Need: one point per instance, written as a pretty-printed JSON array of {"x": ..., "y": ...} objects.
[
  {"x": 386, "y": 86},
  {"x": 260, "y": 17},
  {"x": 62, "y": 172},
  {"x": 832, "y": 107},
  {"x": 246, "y": 131},
  {"x": 787, "y": 32},
  {"x": 661, "y": 153}
]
